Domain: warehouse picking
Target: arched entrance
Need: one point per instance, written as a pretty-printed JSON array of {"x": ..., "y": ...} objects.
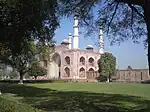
[
  {"x": 57, "y": 62},
  {"x": 90, "y": 73},
  {"x": 54, "y": 69},
  {"x": 91, "y": 70}
]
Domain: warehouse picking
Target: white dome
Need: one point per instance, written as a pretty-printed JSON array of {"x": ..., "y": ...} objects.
[
  {"x": 90, "y": 46},
  {"x": 65, "y": 41}
]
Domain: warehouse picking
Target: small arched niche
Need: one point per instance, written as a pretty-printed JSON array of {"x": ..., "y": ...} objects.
[
  {"x": 67, "y": 72},
  {"x": 82, "y": 72},
  {"x": 67, "y": 59},
  {"x": 82, "y": 60},
  {"x": 91, "y": 60}
]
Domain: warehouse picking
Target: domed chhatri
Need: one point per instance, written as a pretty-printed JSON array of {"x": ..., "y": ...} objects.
[
  {"x": 89, "y": 46},
  {"x": 65, "y": 41}
]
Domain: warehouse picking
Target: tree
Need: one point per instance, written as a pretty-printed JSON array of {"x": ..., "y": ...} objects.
[
  {"x": 121, "y": 19},
  {"x": 36, "y": 70},
  {"x": 107, "y": 65},
  {"x": 129, "y": 67},
  {"x": 14, "y": 74},
  {"x": 30, "y": 53},
  {"x": 4, "y": 73},
  {"x": 21, "y": 19}
]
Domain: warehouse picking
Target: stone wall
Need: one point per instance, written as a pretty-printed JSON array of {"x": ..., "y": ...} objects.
[{"x": 131, "y": 75}]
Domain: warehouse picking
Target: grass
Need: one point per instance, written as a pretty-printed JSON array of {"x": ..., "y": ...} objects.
[
  {"x": 81, "y": 97},
  {"x": 13, "y": 106}
]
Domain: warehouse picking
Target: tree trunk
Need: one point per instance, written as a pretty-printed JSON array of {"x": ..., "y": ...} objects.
[
  {"x": 35, "y": 77},
  {"x": 147, "y": 20},
  {"x": 21, "y": 77},
  {"x": 108, "y": 80}
]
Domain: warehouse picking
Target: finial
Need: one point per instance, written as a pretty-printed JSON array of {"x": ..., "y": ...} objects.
[
  {"x": 70, "y": 34},
  {"x": 101, "y": 27}
]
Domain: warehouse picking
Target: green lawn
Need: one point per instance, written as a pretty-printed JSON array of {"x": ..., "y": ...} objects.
[{"x": 80, "y": 97}]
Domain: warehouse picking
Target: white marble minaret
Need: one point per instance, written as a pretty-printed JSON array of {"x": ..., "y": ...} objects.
[
  {"x": 70, "y": 40},
  {"x": 76, "y": 33},
  {"x": 101, "y": 41}
]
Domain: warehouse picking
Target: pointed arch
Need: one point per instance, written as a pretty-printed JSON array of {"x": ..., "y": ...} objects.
[
  {"x": 57, "y": 59},
  {"x": 67, "y": 59},
  {"x": 82, "y": 60},
  {"x": 67, "y": 72},
  {"x": 91, "y": 70},
  {"x": 82, "y": 72},
  {"x": 54, "y": 66},
  {"x": 91, "y": 60}
]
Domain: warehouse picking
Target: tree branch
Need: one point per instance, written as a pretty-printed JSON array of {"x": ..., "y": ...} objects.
[
  {"x": 134, "y": 2},
  {"x": 132, "y": 15},
  {"x": 132, "y": 7},
  {"x": 88, "y": 12},
  {"x": 113, "y": 16},
  {"x": 110, "y": 4}
]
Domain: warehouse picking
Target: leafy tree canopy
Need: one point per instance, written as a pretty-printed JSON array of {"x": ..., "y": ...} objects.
[
  {"x": 107, "y": 64},
  {"x": 30, "y": 53},
  {"x": 121, "y": 19},
  {"x": 22, "y": 20}
]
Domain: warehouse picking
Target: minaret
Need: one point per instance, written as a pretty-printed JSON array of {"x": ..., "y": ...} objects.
[
  {"x": 76, "y": 32},
  {"x": 70, "y": 40},
  {"x": 101, "y": 41}
]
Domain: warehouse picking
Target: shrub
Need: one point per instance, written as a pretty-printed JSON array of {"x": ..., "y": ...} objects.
[
  {"x": 59, "y": 81},
  {"x": 33, "y": 81},
  {"x": 25, "y": 81},
  {"x": 102, "y": 78}
]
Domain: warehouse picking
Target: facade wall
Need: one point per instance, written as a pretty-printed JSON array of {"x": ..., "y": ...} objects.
[
  {"x": 77, "y": 68},
  {"x": 132, "y": 75},
  {"x": 52, "y": 68}
]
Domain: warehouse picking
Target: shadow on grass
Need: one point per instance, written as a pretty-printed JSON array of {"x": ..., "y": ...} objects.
[{"x": 76, "y": 101}]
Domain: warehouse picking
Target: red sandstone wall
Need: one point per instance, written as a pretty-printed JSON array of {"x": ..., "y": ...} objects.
[{"x": 133, "y": 75}]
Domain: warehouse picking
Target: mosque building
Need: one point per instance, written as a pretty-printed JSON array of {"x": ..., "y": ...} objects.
[{"x": 71, "y": 62}]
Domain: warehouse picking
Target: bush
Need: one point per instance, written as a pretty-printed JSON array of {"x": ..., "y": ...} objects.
[
  {"x": 59, "y": 81},
  {"x": 33, "y": 81},
  {"x": 13, "y": 106},
  {"x": 102, "y": 78},
  {"x": 25, "y": 81}
]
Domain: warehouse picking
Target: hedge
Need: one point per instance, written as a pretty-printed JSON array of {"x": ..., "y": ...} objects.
[{"x": 33, "y": 81}]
